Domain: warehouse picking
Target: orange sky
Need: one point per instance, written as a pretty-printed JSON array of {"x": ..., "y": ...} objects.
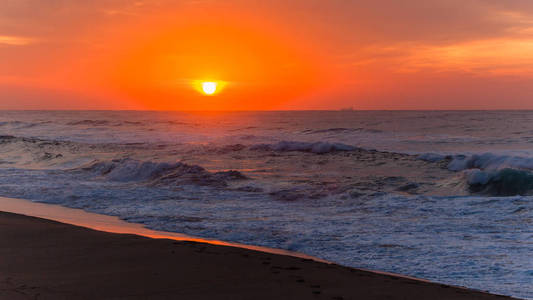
[{"x": 312, "y": 54}]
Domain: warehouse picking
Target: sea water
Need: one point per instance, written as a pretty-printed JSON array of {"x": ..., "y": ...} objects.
[{"x": 445, "y": 195}]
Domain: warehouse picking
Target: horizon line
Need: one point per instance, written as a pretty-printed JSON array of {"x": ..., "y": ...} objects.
[{"x": 273, "y": 110}]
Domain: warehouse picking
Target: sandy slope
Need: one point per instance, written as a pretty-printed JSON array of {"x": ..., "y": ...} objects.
[{"x": 42, "y": 259}]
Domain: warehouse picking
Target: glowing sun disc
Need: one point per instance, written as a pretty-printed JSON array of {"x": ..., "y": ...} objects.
[{"x": 209, "y": 87}]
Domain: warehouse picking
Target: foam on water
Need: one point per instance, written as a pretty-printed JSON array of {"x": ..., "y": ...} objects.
[
  {"x": 490, "y": 161},
  {"x": 445, "y": 196}
]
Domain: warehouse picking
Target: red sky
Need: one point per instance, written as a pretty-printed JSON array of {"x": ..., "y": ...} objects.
[{"x": 276, "y": 54}]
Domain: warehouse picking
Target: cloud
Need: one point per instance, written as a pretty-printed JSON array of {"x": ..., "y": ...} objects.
[
  {"x": 7, "y": 40},
  {"x": 484, "y": 57},
  {"x": 489, "y": 57}
]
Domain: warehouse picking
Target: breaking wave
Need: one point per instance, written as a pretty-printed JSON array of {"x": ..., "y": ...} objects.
[
  {"x": 490, "y": 161},
  {"x": 504, "y": 182},
  {"x": 158, "y": 173},
  {"x": 490, "y": 174}
]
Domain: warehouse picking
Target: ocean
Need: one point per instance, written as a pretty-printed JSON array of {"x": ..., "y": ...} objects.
[{"x": 441, "y": 195}]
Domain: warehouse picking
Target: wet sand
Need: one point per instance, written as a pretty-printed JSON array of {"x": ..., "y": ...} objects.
[{"x": 44, "y": 259}]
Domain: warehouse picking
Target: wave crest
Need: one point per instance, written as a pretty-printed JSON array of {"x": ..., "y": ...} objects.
[
  {"x": 489, "y": 161},
  {"x": 159, "y": 173},
  {"x": 505, "y": 182}
]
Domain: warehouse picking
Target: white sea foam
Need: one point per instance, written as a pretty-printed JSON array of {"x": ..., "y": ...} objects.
[
  {"x": 490, "y": 161},
  {"x": 476, "y": 176}
]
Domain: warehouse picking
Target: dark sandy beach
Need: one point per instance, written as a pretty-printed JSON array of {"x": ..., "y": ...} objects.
[{"x": 43, "y": 259}]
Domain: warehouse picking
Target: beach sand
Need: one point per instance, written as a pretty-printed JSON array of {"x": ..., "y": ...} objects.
[{"x": 44, "y": 259}]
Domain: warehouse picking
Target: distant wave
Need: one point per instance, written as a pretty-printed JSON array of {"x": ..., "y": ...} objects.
[
  {"x": 11, "y": 123},
  {"x": 6, "y": 138},
  {"x": 22, "y": 125},
  {"x": 340, "y": 130},
  {"x": 284, "y": 146},
  {"x": 316, "y": 147},
  {"x": 93, "y": 123}
]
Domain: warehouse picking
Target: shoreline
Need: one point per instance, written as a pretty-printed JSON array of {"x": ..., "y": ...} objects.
[
  {"x": 301, "y": 276},
  {"x": 112, "y": 224}
]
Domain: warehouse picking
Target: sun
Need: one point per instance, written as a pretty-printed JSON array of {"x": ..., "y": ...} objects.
[{"x": 209, "y": 87}]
